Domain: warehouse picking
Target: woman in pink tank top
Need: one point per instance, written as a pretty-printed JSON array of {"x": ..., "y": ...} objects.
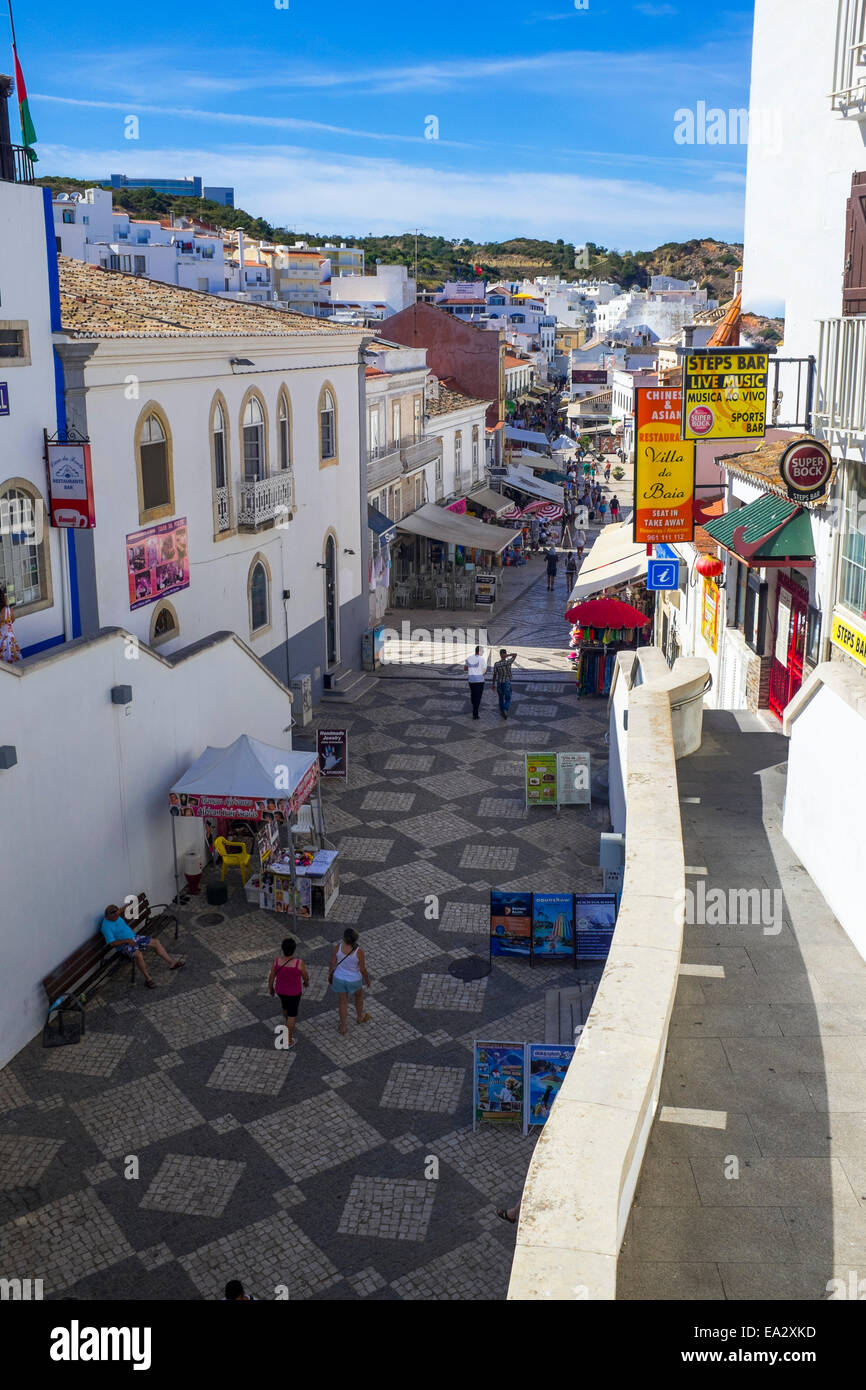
[{"x": 288, "y": 979}]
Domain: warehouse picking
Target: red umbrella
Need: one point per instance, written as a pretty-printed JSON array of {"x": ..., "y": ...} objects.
[
  {"x": 545, "y": 511},
  {"x": 606, "y": 612},
  {"x": 512, "y": 514}
]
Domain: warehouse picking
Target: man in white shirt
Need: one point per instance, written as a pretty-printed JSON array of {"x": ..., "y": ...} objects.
[{"x": 476, "y": 669}]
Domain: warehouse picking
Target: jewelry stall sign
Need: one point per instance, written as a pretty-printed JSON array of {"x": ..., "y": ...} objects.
[
  {"x": 664, "y": 469},
  {"x": 573, "y": 779},
  {"x": 498, "y": 1082},
  {"x": 157, "y": 562},
  {"x": 333, "y": 750},
  {"x": 70, "y": 484},
  {"x": 724, "y": 394}
]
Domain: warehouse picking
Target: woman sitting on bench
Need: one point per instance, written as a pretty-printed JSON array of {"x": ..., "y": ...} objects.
[{"x": 119, "y": 934}]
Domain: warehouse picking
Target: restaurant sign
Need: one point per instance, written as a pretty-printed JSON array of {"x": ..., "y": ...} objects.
[
  {"x": 664, "y": 476},
  {"x": 848, "y": 638},
  {"x": 70, "y": 484},
  {"x": 724, "y": 394},
  {"x": 805, "y": 468}
]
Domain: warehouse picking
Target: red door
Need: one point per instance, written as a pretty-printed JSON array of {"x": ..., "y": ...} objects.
[{"x": 786, "y": 672}]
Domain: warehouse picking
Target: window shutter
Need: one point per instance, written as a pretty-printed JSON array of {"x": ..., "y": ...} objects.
[{"x": 854, "y": 285}]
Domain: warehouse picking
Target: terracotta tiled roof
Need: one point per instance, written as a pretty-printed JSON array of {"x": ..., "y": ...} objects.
[
  {"x": 517, "y": 361},
  {"x": 451, "y": 400},
  {"x": 727, "y": 333},
  {"x": 98, "y": 303},
  {"x": 703, "y": 542}
]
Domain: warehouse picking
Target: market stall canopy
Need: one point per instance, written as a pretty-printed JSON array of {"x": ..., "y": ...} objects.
[
  {"x": 606, "y": 612},
  {"x": 770, "y": 532},
  {"x": 490, "y": 500},
  {"x": 244, "y": 773},
  {"x": 527, "y": 436},
  {"x": 526, "y": 481},
  {"x": 614, "y": 559},
  {"x": 438, "y": 524}
]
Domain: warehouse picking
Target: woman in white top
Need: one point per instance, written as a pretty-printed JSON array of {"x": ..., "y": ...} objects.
[{"x": 347, "y": 972}]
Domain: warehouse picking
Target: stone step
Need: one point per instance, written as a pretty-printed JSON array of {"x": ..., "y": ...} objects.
[
  {"x": 567, "y": 1009},
  {"x": 350, "y": 687}
]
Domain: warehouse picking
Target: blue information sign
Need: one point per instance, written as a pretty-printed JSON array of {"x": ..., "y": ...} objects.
[
  {"x": 595, "y": 920},
  {"x": 4, "y": 398},
  {"x": 662, "y": 574}
]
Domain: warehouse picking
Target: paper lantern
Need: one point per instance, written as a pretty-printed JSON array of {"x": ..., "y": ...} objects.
[{"x": 709, "y": 566}]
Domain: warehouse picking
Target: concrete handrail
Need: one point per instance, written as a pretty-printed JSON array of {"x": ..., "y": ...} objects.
[{"x": 585, "y": 1167}]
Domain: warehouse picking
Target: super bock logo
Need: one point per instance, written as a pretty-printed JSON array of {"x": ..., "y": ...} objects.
[{"x": 805, "y": 468}]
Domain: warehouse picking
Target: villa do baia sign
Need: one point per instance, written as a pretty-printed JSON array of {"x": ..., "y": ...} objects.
[
  {"x": 664, "y": 469},
  {"x": 805, "y": 468}
]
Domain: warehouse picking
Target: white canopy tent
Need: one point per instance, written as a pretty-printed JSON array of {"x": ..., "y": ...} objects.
[
  {"x": 526, "y": 481},
  {"x": 456, "y": 528},
  {"x": 534, "y": 437},
  {"x": 613, "y": 559}
]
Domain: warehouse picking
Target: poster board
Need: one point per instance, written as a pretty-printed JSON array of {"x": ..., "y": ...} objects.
[
  {"x": 157, "y": 562},
  {"x": 267, "y": 840},
  {"x": 485, "y": 587},
  {"x": 573, "y": 779},
  {"x": 724, "y": 394},
  {"x": 710, "y": 612},
  {"x": 70, "y": 481},
  {"x": 664, "y": 469},
  {"x": 546, "y": 1066},
  {"x": 510, "y": 923},
  {"x": 553, "y": 926},
  {"x": 498, "y": 1082},
  {"x": 595, "y": 920},
  {"x": 333, "y": 749},
  {"x": 540, "y": 779}
]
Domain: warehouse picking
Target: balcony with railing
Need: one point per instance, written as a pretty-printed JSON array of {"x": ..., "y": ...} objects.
[
  {"x": 384, "y": 465},
  {"x": 418, "y": 452},
  {"x": 16, "y": 164},
  {"x": 266, "y": 502},
  {"x": 849, "y": 73},
  {"x": 839, "y": 408}
]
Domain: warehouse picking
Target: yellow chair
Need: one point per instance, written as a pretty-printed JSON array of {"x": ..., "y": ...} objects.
[{"x": 234, "y": 854}]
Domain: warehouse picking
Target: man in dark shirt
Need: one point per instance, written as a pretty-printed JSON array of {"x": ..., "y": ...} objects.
[
  {"x": 502, "y": 680},
  {"x": 552, "y": 562}
]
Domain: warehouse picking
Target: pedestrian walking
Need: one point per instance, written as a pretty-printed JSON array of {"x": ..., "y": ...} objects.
[
  {"x": 502, "y": 680},
  {"x": 9, "y": 649},
  {"x": 580, "y": 543},
  {"x": 607, "y": 472},
  {"x": 533, "y": 533},
  {"x": 602, "y": 511},
  {"x": 235, "y": 1293},
  {"x": 614, "y": 508},
  {"x": 570, "y": 570},
  {"x": 288, "y": 979},
  {"x": 552, "y": 563},
  {"x": 347, "y": 974},
  {"x": 476, "y": 670}
]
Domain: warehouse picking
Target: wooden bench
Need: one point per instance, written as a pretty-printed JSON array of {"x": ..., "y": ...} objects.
[{"x": 69, "y": 984}]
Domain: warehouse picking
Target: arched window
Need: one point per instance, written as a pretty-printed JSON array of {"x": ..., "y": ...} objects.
[
  {"x": 164, "y": 626},
  {"x": 284, "y": 432},
  {"x": 259, "y": 595},
  {"x": 327, "y": 427},
  {"x": 220, "y": 455},
  {"x": 458, "y": 453},
  {"x": 219, "y": 447},
  {"x": 474, "y": 450},
  {"x": 254, "y": 441},
  {"x": 155, "y": 482},
  {"x": 24, "y": 568}
]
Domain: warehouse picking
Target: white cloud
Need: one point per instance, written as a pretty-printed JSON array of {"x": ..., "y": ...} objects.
[
  {"x": 656, "y": 11},
  {"x": 317, "y": 192}
]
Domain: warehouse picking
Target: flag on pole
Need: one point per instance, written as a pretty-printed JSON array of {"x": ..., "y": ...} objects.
[{"x": 28, "y": 130}]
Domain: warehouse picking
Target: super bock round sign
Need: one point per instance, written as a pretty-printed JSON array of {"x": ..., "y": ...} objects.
[{"x": 805, "y": 468}]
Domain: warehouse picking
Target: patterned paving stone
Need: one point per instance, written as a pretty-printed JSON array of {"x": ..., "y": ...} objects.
[
  {"x": 525, "y": 1024},
  {"x": 338, "y": 819},
  {"x": 130, "y": 1117},
  {"x": 435, "y": 828},
  {"x": 23, "y": 1159},
  {"x": 489, "y": 857},
  {"x": 193, "y": 1186},
  {"x": 384, "y": 1031},
  {"x": 536, "y": 709},
  {"x": 375, "y": 850},
  {"x": 156, "y": 1256},
  {"x": 439, "y": 1038},
  {"x": 50, "y": 1103},
  {"x": 169, "y": 1060},
  {"x": 224, "y": 1124},
  {"x": 360, "y": 776},
  {"x": 64, "y": 1242},
  {"x": 406, "y": 1143},
  {"x": 426, "y": 733},
  {"x": 98, "y": 1054},
  {"x": 374, "y": 743},
  {"x": 388, "y": 801},
  {"x": 507, "y": 767},
  {"x": 199, "y": 1014},
  {"x": 502, "y": 807},
  {"x": 254, "y": 1070},
  {"x": 454, "y": 784},
  {"x": 446, "y": 992},
  {"x": 274, "y": 1254},
  {"x": 290, "y": 1196},
  {"x": 408, "y": 882},
  {"x": 336, "y": 1078},
  {"x": 492, "y": 1159},
  {"x": 471, "y": 918},
  {"x": 480, "y": 1269},
  {"x": 558, "y": 832},
  {"x": 410, "y": 762},
  {"x": 346, "y": 909},
  {"x": 470, "y": 750},
  {"x": 531, "y": 739},
  {"x": 388, "y": 1208},
  {"x": 256, "y": 938},
  {"x": 101, "y": 1173},
  {"x": 12, "y": 1093},
  {"x": 314, "y": 1135},
  {"x": 411, "y": 1086},
  {"x": 367, "y": 1281},
  {"x": 394, "y": 947}
]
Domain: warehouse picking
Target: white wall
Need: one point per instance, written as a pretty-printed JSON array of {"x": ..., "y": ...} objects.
[
  {"x": 823, "y": 817},
  {"x": 88, "y": 798}
]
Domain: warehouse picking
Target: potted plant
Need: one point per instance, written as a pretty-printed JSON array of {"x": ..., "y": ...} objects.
[{"x": 618, "y": 472}]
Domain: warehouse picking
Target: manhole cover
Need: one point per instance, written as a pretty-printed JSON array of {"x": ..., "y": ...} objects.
[
  {"x": 469, "y": 968},
  {"x": 210, "y": 919}
]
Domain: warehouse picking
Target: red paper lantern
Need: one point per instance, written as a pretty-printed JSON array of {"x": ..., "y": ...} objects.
[{"x": 709, "y": 566}]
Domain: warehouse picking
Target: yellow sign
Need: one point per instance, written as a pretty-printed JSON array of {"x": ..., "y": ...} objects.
[
  {"x": 724, "y": 394},
  {"x": 848, "y": 638},
  {"x": 710, "y": 613},
  {"x": 664, "y": 469}
]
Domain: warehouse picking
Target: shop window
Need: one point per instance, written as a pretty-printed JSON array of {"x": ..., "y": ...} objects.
[
  {"x": 155, "y": 480},
  {"x": 24, "y": 561}
]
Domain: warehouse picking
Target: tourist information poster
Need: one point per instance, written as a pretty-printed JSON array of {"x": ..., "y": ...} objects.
[
  {"x": 510, "y": 923},
  {"x": 595, "y": 919},
  {"x": 546, "y": 1066},
  {"x": 724, "y": 394},
  {"x": 573, "y": 784},
  {"x": 498, "y": 1082},
  {"x": 540, "y": 775},
  {"x": 552, "y": 926}
]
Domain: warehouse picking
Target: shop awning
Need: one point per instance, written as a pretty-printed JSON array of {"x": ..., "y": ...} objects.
[
  {"x": 771, "y": 532},
  {"x": 245, "y": 779},
  {"x": 527, "y": 436},
  {"x": 490, "y": 500},
  {"x": 526, "y": 481},
  {"x": 614, "y": 559},
  {"x": 381, "y": 526},
  {"x": 438, "y": 524}
]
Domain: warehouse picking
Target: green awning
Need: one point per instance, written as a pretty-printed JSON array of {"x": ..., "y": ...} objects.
[{"x": 770, "y": 529}]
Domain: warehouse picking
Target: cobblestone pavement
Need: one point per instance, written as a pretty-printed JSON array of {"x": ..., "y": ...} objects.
[{"x": 175, "y": 1147}]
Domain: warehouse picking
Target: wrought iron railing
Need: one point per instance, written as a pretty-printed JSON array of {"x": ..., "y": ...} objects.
[
  {"x": 270, "y": 499},
  {"x": 223, "y": 509},
  {"x": 416, "y": 452},
  {"x": 16, "y": 164},
  {"x": 840, "y": 406}
]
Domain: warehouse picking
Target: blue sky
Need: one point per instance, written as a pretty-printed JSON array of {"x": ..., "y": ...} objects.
[{"x": 552, "y": 120}]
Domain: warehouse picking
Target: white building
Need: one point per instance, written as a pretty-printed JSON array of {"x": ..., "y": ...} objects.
[{"x": 387, "y": 292}]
